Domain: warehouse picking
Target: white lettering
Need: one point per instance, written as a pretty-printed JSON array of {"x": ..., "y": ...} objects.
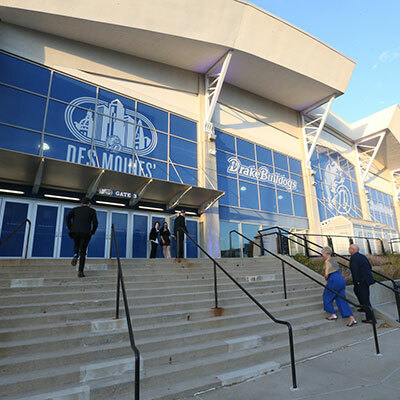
[
  {"x": 118, "y": 164},
  {"x": 80, "y": 155},
  {"x": 107, "y": 161},
  {"x": 71, "y": 153}
]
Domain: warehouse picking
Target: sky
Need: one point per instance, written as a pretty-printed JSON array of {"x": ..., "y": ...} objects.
[{"x": 368, "y": 32}]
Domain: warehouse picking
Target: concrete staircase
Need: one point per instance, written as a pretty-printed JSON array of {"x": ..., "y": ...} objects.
[{"x": 59, "y": 339}]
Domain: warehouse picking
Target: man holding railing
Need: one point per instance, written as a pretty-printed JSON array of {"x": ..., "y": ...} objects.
[{"x": 362, "y": 279}]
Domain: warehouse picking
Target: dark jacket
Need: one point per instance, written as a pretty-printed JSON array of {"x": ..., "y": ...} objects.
[
  {"x": 82, "y": 219},
  {"x": 153, "y": 234},
  {"x": 179, "y": 223},
  {"x": 361, "y": 269}
]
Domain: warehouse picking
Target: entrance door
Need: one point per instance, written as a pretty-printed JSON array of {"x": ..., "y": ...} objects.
[
  {"x": 139, "y": 240},
  {"x": 13, "y": 214},
  {"x": 67, "y": 244},
  {"x": 191, "y": 248},
  {"x": 120, "y": 221},
  {"x": 97, "y": 244},
  {"x": 45, "y": 230}
]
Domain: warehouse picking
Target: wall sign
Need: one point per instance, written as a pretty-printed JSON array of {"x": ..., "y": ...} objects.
[{"x": 117, "y": 193}]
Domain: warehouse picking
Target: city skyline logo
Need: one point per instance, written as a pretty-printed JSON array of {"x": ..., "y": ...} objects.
[
  {"x": 113, "y": 127},
  {"x": 338, "y": 196}
]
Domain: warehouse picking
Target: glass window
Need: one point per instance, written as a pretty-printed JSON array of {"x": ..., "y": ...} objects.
[
  {"x": 298, "y": 186},
  {"x": 250, "y": 231},
  {"x": 151, "y": 168},
  {"x": 225, "y": 142},
  {"x": 264, "y": 155},
  {"x": 160, "y": 149},
  {"x": 229, "y": 186},
  {"x": 19, "y": 140},
  {"x": 223, "y": 164},
  {"x": 183, "y": 152},
  {"x": 299, "y": 204},
  {"x": 115, "y": 105},
  {"x": 245, "y": 149},
  {"x": 70, "y": 122},
  {"x": 158, "y": 118},
  {"x": 247, "y": 169},
  {"x": 295, "y": 166},
  {"x": 183, "y": 127},
  {"x": 188, "y": 175},
  {"x": 24, "y": 75},
  {"x": 224, "y": 229},
  {"x": 281, "y": 161},
  {"x": 284, "y": 202},
  {"x": 268, "y": 199},
  {"x": 21, "y": 108},
  {"x": 71, "y": 90},
  {"x": 248, "y": 195}
]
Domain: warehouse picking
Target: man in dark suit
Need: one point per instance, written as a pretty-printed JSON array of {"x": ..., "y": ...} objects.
[
  {"x": 362, "y": 279},
  {"x": 82, "y": 224},
  {"x": 178, "y": 224}
]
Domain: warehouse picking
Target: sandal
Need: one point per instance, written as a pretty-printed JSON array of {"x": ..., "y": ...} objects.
[
  {"x": 331, "y": 318},
  {"x": 352, "y": 323}
]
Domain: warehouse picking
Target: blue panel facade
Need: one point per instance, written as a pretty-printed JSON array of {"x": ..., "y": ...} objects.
[
  {"x": 97, "y": 242},
  {"x": 381, "y": 207},
  {"x": 140, "y": 236},
  {"x": 45, "y": 229}
]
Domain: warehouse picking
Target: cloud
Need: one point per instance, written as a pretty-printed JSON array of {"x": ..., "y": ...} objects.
[
  {"x": 389, "y": 55},
  {"x": 374, "y": 66}
]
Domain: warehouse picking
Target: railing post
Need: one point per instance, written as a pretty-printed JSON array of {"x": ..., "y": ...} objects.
[
  {"x": 378, "y": 351},
  {"x": 118, "y": 294},
  {"x": 230, "y": 245},
  {"x": 262, "y": 243},
  {"x": 307, "y": 250},
  {"x": 292, "y": 360},
  {"x": 27, "y": 239},
  {"x": 396, "y": 287},
  {"x": 284, "y": 279},
  {"x": 215, "y": 286}
]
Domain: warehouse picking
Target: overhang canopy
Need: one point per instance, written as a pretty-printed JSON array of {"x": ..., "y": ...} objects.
[
  {"x": 19, "y": 168},
  {"x": 271, "y": 57}
]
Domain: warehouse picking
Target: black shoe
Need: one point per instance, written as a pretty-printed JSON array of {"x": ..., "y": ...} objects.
[
  {"x": 74, "y": 261},
  {"x": 367, "y": 321},
  {"x": 360, "y": 310},
  {"x": 81, "y": 275}
]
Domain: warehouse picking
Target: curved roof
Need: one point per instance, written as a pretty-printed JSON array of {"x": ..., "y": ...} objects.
[{"x": 271, "y": 58}]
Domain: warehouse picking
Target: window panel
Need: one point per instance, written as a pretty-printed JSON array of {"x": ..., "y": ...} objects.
[
  {"x": 21, "y": 108},
  {"x": 284, "y": 202},
  {"x": 160, "y": 149},
  {"x": 299, "y": 204},
  {"x": 268, "y": 199},
  {"x": 188, "y": 176},
  {"x": 295, "y": 166},
  {"x": 24, "y": 75},
  {"x": 158, "y": 118},
  {"x": 115, "y": 105},
  {"x": 225, "y": 142},
  {"x": 183, "y": 127},
  {"x": 229, "y": 186},
  {"x": 247, "y": 170},
  {"x": 248, "y": 195},
  {"x": 299, "y": 187},
  {"x": 71, "y": 90},
  {"x": 151, "y": 168},
  {"x": 245, "y": 149},
  {"x": 281, "y": 161},
  {"x": 264, "y": 155},
  {"x": 224, "y": 229},
  {"x": 19, "y": 140},
  {"x": 223, "y": 163},
  {"x": 183, "y": 152}
]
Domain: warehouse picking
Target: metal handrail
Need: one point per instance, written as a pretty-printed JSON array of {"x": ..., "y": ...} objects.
[
  {"x": 289, "y": 326},
  {"x": 284, "y": 261},
  {"x": 121, "y": 285},
  {"x": 10, "y": 235},
  {"x": 395, "y": 289}
]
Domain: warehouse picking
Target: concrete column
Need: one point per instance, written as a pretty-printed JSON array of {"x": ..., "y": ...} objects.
[{"x": 207, "y": 173}]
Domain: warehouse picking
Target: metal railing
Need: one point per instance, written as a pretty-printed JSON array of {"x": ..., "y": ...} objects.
[
  {"x": 395, "y": 286},
  {"x": 11, "y": 234},
  {"x": 277, "y": 321},
  {"x": 284, "y": 261},
  {"x": 121, "y": 286}
]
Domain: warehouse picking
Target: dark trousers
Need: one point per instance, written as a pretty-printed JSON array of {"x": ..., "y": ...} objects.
[
  {"x": 153, "y": 250},
  {"x": 179, "y": 244},
  {"x": 362, "y": 293},
  {"x": 81, "y": 242}
]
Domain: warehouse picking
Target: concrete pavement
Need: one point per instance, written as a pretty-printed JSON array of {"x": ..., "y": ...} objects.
[{"x": 350, "y": 373}]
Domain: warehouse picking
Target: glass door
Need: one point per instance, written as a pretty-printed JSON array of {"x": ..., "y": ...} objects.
[{"x": 140, "y": 236}]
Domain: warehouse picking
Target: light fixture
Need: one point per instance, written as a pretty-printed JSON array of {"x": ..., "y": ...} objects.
[
  {"x": 11, "y": 191},
  {"x": 54, "y": 196},
  {"x": 110, "y": 203},
  {"x": 186, "y": 212},
  {"x": 151, "y": 208}
]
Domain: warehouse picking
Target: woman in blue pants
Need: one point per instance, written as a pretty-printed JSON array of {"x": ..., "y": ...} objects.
[{"x": 336, "y": 282}]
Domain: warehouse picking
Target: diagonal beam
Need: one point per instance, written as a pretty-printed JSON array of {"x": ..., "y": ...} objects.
[
  {"x": 313, "y": 128},
  {"x": 366, "y": 153},
  {"x": 214, "y": 79},
  {"x": 396, "y": 183},
  {"x": 140, "y": 193},
  {"x": 177, "y": 198},
  {"x": 38, "y": 177},
  {"x": 94, "y": 185},
  {"x": 207, "y": 204}
]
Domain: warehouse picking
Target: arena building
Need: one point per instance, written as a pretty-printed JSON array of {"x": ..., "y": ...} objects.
[{"x": 151, "y": 107}]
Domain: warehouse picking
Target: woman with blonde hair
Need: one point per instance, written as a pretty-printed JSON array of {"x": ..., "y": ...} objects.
[{"x": 336, "y": 282}]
